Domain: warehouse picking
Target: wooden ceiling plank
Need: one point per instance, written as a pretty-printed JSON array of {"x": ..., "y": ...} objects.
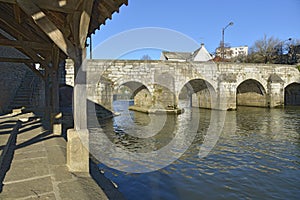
[
  {"x": 67, "y": 6},
  {"x": 47, "y": 27},
  {"x": 8, "y": 1},
  {"x": 15, "y": 27},
  {"x": 110, "y": 5},
  {"x": 104, "y": 10}
]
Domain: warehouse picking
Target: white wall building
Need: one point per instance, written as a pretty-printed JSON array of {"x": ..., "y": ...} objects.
[{"x": 231, "y": 52}]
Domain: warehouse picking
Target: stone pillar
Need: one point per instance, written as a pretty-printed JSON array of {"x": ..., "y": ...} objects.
[
  {"x": 227, "y": 96},
  {"x": 275, "y": 94},
  {"x": 275, "y": 97}
]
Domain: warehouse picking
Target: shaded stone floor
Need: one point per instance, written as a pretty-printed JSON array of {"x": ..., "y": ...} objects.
[{"x": 34, "y": 165}]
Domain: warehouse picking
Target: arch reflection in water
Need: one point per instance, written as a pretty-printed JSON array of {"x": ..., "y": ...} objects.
[{"x": 257, "y": 157}]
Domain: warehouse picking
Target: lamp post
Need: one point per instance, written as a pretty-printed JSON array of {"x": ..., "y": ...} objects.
[{"x": 223, "y": 44}]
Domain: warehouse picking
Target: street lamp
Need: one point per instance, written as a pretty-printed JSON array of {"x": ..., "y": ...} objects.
[{"x": 223, "y": 44}]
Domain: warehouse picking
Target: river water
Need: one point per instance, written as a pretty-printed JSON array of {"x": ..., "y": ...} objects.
[{"x": 256, "y": 153}]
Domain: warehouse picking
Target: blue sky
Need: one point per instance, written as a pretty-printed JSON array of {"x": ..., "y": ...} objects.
[{"x": 203, "y": 20}]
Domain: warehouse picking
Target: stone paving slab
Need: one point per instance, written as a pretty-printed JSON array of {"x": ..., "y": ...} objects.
[
  {"x": 76, "y": 190},
  {"x": 29, "y": 188},
  {"x": 38, "y": 169},
  {"x": 25, "y": 135},
  {"x": 56, "y": 155},
  {"x": 50, "y": 196},
  {"x": 3, "y": 139},
  {"x": 30, "y": 155},
  {"x": 30, "y": 148},
  {"x": 61, "y": 173},
  {"x": 27, "y": 169}
]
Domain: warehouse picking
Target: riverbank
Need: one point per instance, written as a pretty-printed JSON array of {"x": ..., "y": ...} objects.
[{"x": 33, "y": 165}]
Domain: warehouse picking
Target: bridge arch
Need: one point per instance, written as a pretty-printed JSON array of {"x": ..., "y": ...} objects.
[
  {"x": 292, "y": 94},
  {"x": 288, "y": 74},
  {"x": 133, "y": 90},
  {"x": 251, "y": 92},
  {"x": 199, "y": 93}
]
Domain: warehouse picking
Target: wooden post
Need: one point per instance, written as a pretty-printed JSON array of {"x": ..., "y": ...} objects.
[
  {"x": 55, "y": 79},
  {"x": 47, "y": 113},
  {"x": 80, "y": 107},
  {"x": 78, "y": 138}
]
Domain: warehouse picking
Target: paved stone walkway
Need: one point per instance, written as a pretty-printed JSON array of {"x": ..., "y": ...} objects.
[{"x": 34, "y": 165}]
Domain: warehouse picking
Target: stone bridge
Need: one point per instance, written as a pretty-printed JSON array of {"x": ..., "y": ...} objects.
[{"x": 162, "y": 84}]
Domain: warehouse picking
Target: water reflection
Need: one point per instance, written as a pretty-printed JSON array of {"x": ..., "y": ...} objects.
[{"x": 256, "y": 156}]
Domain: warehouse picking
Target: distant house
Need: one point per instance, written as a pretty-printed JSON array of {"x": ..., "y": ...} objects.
[
  {"x": 200, "y": 54},
  {"x": 231, "y": 52}
]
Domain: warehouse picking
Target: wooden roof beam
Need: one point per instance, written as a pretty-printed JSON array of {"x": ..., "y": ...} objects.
[
  {"x": 85, "y": 21},
  {"x": 22, "y": 44},
  {"x": 26, "y": 50},
  {"x": 65, "y": 6},
  {"x": 16, "y": 60},
  {"x": 15, "y": 27},
  {"x": 48, "y": 27}
]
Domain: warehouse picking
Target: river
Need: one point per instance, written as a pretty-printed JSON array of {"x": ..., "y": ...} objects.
[{"x": 256, "y": 154}]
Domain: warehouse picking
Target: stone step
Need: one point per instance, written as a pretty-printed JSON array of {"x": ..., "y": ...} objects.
[{"x": 24, "y": 93}]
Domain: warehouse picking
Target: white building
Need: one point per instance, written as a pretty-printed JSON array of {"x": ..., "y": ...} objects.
[
  {"x": 200, "y": 54},
  {"x": 231, "y": 52}
]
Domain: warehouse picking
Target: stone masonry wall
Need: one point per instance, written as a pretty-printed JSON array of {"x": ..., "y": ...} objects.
[
  {"x": 224, "y": 78},
  {"x": 251, "y": 99},
  {"x": 11, "y": 76}
]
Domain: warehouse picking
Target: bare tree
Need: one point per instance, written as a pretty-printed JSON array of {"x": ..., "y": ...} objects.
[
  {"x": 146, "y": 57},
  {"x": 264, "y": 50}
]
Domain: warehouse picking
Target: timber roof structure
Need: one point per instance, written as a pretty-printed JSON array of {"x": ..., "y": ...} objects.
[{"x": 48, "y": 31}]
